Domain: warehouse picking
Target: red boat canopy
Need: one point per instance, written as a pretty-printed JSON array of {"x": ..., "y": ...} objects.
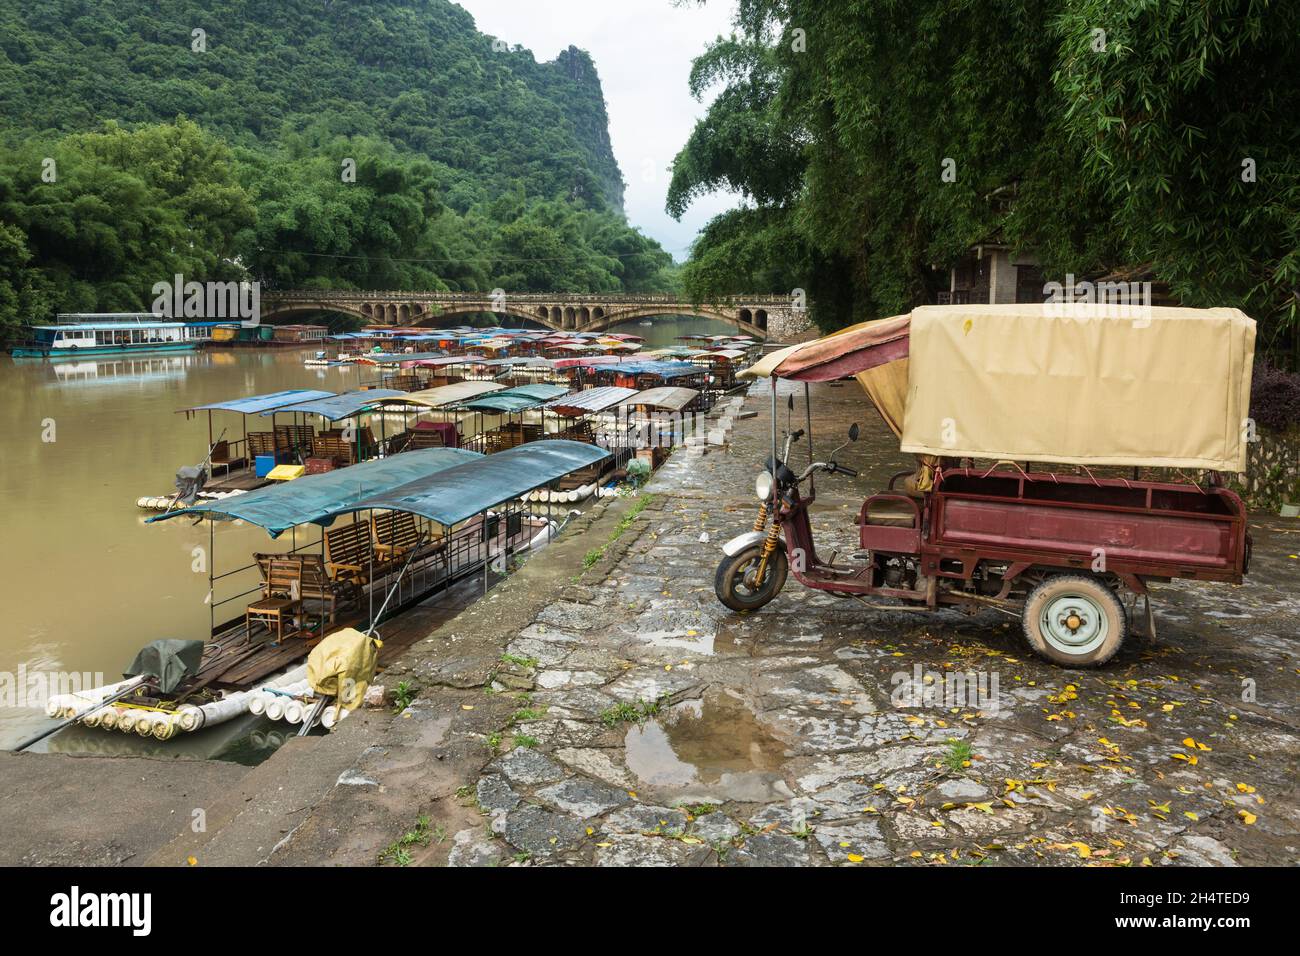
[{"x": 858, "y": 348}]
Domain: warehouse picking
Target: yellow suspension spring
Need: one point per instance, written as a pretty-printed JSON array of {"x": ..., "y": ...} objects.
[
  {"x": 761, "y": 521},
  {"x": 769, "y": 546}
]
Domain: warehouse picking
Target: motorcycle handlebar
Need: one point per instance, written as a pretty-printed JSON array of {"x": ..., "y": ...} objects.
[{"x": 829, "y": 467}]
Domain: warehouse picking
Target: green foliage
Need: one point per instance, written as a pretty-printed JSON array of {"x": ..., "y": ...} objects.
[
  {"x": 835, "y": 119},
  {"x": 632, "y": 712},
  {"x": 403, "y": 696},
  {"x": 121, "y": 211},
  {"x": 416, "y": 74},
  {"x": 1161, "y": 127},
  {"x": 475, "y": 167}
]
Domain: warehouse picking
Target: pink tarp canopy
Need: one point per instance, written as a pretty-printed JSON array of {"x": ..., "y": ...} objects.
[{"x": 854, "y": 350}]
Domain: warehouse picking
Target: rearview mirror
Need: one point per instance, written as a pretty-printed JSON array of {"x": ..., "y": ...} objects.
[
  {"x": 853, "y": 432},
  {"x": 789, "y": 401}
]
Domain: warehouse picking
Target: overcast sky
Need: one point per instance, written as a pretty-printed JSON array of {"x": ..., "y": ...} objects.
[{"x": 643, "y": 51}]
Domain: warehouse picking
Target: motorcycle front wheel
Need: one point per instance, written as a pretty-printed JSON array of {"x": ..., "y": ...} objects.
[{"x": 735, "y": 582}]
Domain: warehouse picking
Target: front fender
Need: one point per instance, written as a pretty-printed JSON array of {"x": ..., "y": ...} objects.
[{"x": 746, "y": 540}]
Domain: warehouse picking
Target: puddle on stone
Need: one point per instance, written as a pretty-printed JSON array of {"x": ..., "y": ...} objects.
[
  {"x": 690, "y": 640},
  {"x": 710, "y": 749}
]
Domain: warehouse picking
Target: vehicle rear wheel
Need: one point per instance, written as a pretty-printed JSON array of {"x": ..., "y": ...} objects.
[
  {"x": 735, "y": 585},
  {"x": 1074, "y": 620}
]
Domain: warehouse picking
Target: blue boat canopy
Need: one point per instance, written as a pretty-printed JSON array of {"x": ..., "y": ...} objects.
[
  {"x": 456, "y": 494},
  {"x": 664, "y": 370},
  {"x": 340, "y": 406},
  {"x": 254, "y": 404},
  {"x": 318, "y": 499}
]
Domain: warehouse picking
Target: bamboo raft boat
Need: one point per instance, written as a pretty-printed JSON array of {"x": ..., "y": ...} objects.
[{"x": 392, "y": 533}]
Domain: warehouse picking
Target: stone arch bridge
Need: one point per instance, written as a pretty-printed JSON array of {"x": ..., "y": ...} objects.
[{"x": 761, "y": 316}]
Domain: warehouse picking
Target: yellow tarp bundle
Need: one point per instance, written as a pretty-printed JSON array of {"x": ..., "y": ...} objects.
[{"x": 343, "y": 665}]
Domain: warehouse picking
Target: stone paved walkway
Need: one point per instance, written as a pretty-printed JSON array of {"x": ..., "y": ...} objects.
[{"x": 651, "y": 726}]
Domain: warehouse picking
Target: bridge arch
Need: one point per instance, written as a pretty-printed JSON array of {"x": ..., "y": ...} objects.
[
  {"x": 615, "y": 317},
  {"x": 516, "y": 312},
  {"x": 581, "y": 314},
  {"x": 278, "y": 312}
]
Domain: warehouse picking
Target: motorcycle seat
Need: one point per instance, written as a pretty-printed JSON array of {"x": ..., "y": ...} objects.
[{"x": 891, "y": 514}]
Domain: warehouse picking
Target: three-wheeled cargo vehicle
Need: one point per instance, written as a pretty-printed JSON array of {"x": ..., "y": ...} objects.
[{"x": 1069, "y": 554}]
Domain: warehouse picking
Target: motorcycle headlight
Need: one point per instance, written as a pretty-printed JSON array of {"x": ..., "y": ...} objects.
[{"x": 763, "y": 486}]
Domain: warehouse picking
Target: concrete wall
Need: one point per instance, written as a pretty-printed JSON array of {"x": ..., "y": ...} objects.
[{"x": 1002, "y": 277}]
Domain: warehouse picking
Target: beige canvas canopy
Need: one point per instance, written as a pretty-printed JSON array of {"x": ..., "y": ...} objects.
[
  {"x": 1086, "y": 384},
  {"x": 445, "y": 394},
  {"x": 670, "y": 397},
  {"x": 1081, "y": 384},
  {"x": 767, "y": 365}
]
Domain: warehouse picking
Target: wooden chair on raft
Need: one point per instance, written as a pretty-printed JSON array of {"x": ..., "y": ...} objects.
[
  {"x": 314, "y": 583},
  {"x": 510, "y": 436},
  {"x": 336, "y": 446},
  {"x": 261, "y": 443},
  {"x": 281, "y": 599},
  {"x": 350, "y": 555},
  {"x": 294, "y": 441},
  {"x": 397, "y": 534},
  {"x": 222, "y": 460}
]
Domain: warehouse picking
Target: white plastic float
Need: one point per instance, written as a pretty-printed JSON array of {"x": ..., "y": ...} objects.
[
  {"x": 163, "y": 725},
  {"x": 163, "y": 502},
  {"x": 64, "y": 706}
]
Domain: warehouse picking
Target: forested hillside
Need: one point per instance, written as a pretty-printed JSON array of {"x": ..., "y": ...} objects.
[
  {"x": 216, "y": 138},
  {"x": 877, "y": 141}
]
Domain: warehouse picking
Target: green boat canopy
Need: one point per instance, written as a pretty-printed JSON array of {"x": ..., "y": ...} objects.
[
  {"x": 512, "y": 400},
  {"x": 458, "y": 493},
  {"x": 317, "y": 499},
  {"x": 540, "y": 390}
]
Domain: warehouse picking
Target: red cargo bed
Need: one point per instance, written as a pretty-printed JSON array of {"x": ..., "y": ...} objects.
[{"x": 1147, "y": 529}]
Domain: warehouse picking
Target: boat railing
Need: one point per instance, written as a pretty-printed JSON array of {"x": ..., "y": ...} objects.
[
  {"x": 474, "y": 547},
  {"x": 116, "y": 318},
  {"x": 309, "y": 547}
]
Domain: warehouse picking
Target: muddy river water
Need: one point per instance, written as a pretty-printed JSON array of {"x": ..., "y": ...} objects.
[{"x": 85, "y": 582}]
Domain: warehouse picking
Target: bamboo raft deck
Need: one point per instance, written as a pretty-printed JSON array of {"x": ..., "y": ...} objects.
[
  {"x": 242, "y": 479},
  {"x": 232, "y": 661}
]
